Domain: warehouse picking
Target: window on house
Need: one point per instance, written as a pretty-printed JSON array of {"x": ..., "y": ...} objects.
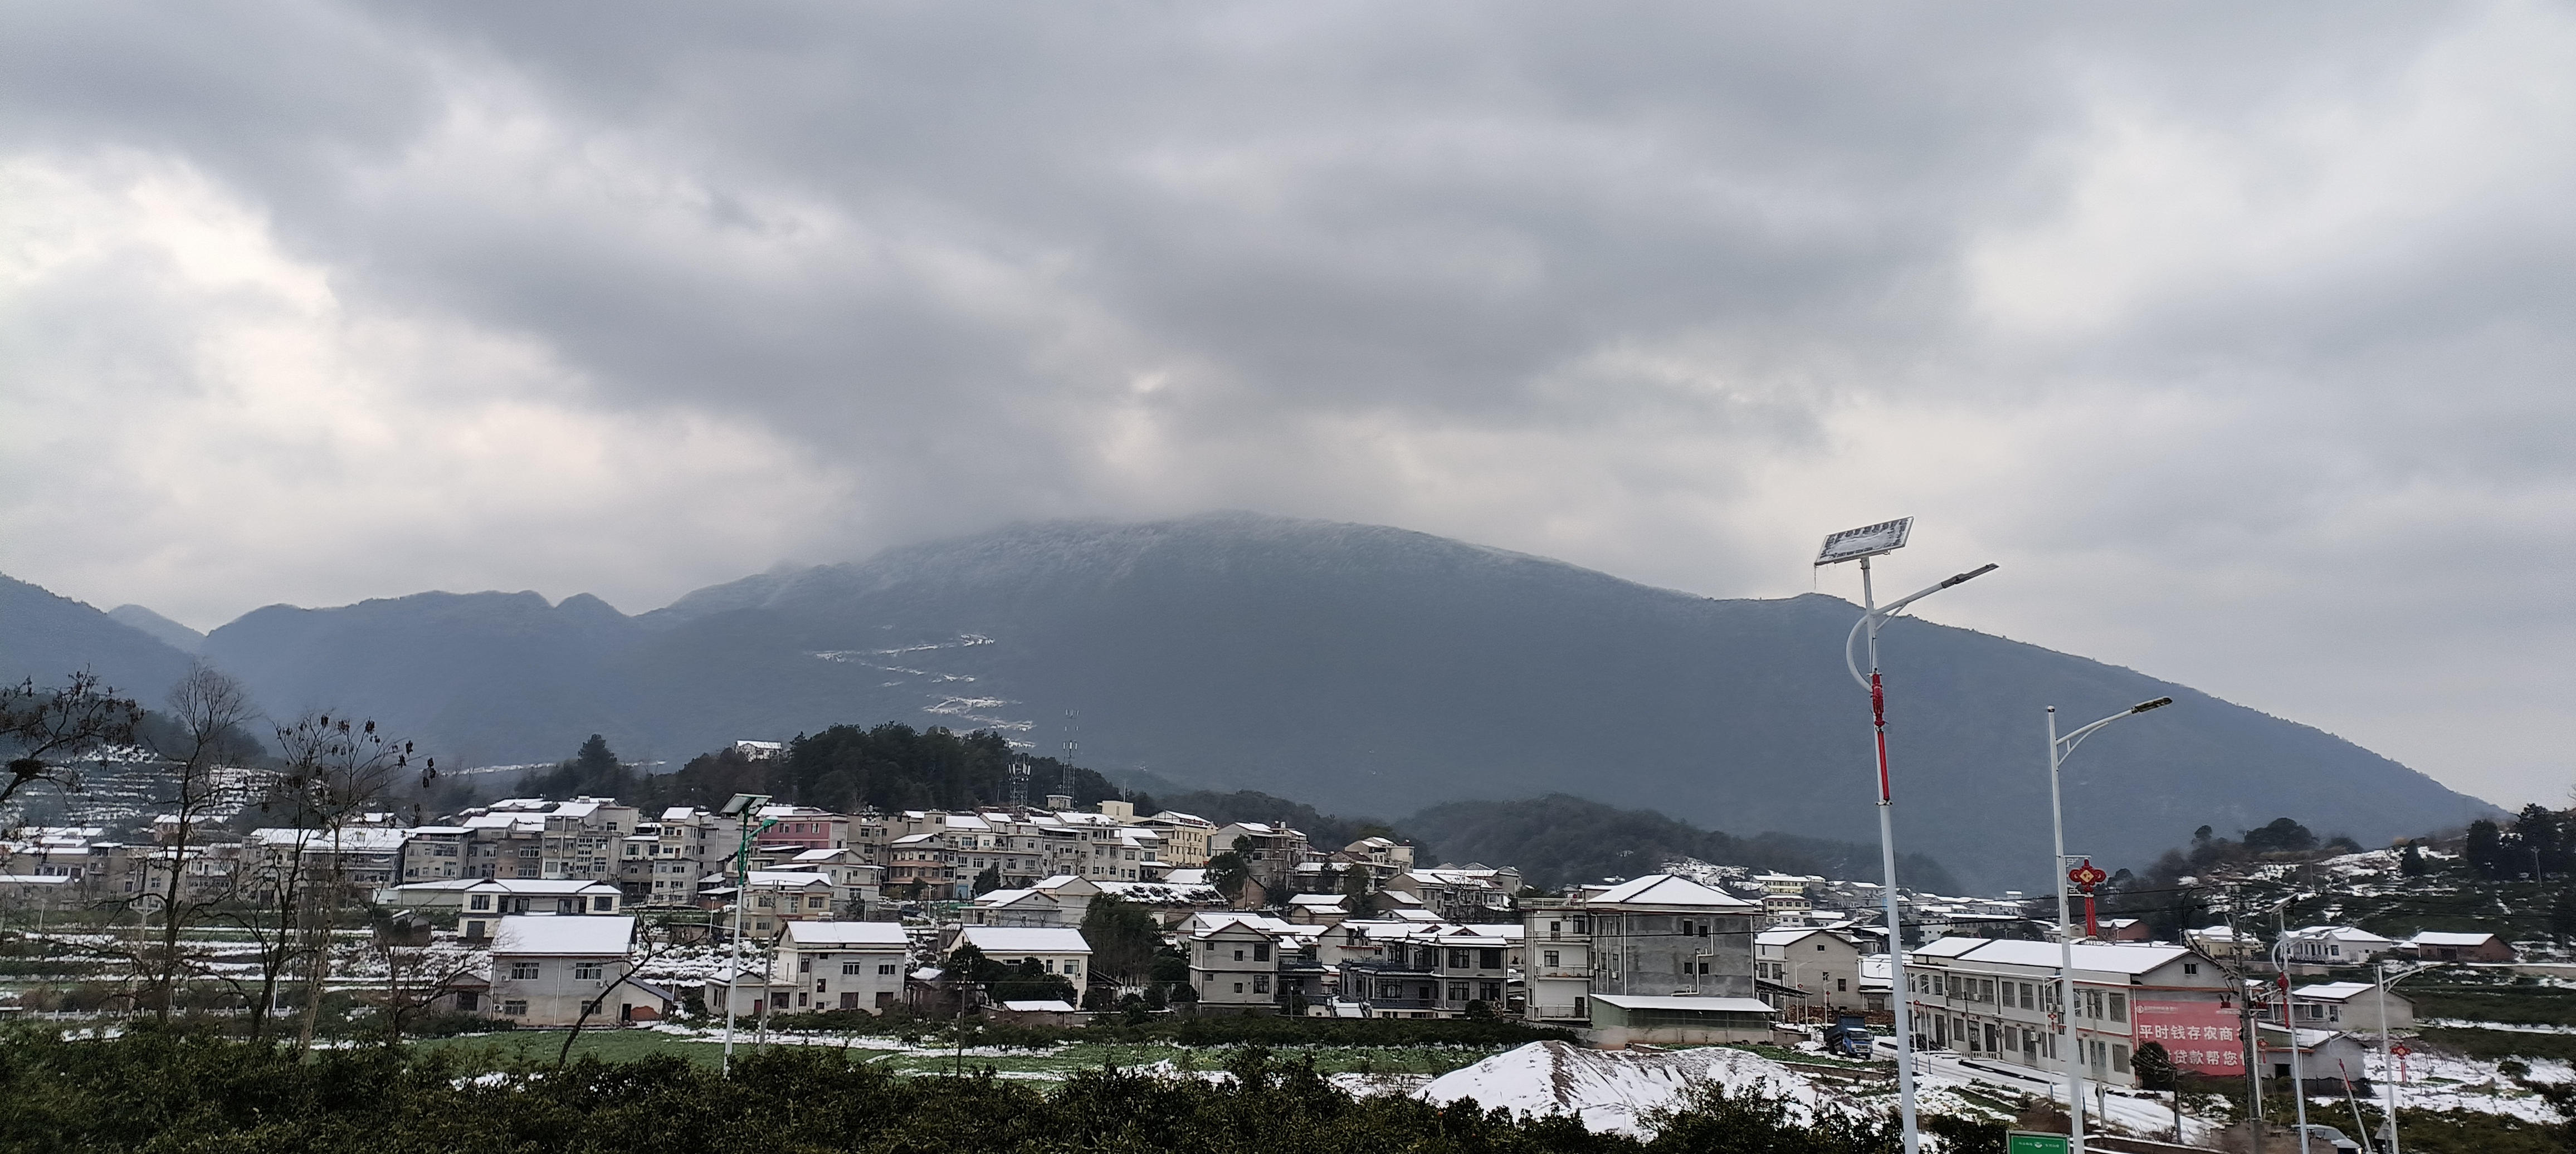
[
  {"x": 522, "y": 971},
  {"x": 1261, "y": 951},
  {"x": 2191, "y": 967},
  {"x": 1238, "y": 955},
  {"x": 480, "y": 902},
  {"x": 586, "y": 971},
  {"x": 885, "y": 969},
  {"x": 1457, "y": 958},
  {"x": 2120, "y": 1008},
  {"x": 1548, "y": 958},
  {"x": 1261, "y": 983},
  {"x": 1457, "y": 991},
  {"x": 1238, "y": 987},
  {"x": 514, "y": 1008}
]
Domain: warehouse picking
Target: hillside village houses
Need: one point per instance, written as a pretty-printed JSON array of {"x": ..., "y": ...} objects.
[{"x": 856, "y": 913}]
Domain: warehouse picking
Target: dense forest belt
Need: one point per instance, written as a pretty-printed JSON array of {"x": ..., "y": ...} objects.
[
  {"x": 2494, "y": 1044},
  {"x": 153, "y": 1091},
  {"x": 2540, "y": 1006}
]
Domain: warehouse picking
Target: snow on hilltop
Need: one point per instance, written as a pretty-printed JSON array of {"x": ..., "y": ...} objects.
[{"x": 1609, "y": 1089}]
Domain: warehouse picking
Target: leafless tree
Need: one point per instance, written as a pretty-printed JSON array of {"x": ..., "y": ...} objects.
[
  {"x": 334, "y": 771},
  {"x": 414, "y": 977},
  {"x": 47, "y": 730},
  {"x": 207, "y": 710}
]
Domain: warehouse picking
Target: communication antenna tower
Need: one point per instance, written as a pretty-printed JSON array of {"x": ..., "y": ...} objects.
[
  {"x": 1072, "y": 746},
  {"x": 1020, "y": 782}
]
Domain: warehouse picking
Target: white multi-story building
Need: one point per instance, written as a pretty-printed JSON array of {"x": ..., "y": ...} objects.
[
  {"x": 843, "y": 965},
  {"x": 551, "y": 971},
  {"x": 1808, "y": 969},
  {"x": 1995, "y": 1000},
  {"x": 1659, "y": 958}
]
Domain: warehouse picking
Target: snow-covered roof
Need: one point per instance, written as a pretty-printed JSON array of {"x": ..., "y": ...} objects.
[
  {"x": 997, "y": 941},
  {"x": 1686, "y": 1002},
  {"x": 787, "y": 879},
  {"x": 1187, "y": 877},
  {"x": 1162, "y": 893},
  {"x": 2100, "y": 957},
  {"x": 1669, "y": 890},
  {"x": 2333, "y": 991},
  {"x": 1201, "y": 925},
  {"x": 1049, "y": 1006},
  {"x": 1326, "y": 901},
  {"x": 1786, "y": 936},
  {"x": 847, "y": 934},
  {"x": 359, "y": 839},
  {"x": 2341, "y": 934},
  {"x": 2441, "y": 938},
  {"x": 589, "y": 937}
]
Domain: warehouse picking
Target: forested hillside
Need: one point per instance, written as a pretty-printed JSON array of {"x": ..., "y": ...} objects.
[{"x": 1560, "y": 838}]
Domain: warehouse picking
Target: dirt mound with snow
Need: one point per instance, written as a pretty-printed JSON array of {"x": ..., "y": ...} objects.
[{"x": 1609, "y": 1089}]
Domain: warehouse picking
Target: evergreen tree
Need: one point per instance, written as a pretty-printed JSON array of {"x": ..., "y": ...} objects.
[
  {"x": 2411, "y": 862},
  {"x": 988, "y": 881},
  {"x": 1228, "y": 871},
  {"x": 2484, "y": 850},
  {"x": 2562, "y": 916},
  {"x": 1124, "y": 939}
]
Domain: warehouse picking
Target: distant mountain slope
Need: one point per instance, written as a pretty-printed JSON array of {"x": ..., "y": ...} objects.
[
  {"x": 1359, "y": 668},
  {"x": 48, "y": 637},
  {"x": 161, "y": 629}
]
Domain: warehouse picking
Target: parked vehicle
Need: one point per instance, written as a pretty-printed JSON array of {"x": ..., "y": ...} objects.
[{"x": 1848, "y": 1037}]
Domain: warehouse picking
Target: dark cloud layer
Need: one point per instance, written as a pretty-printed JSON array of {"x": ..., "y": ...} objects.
[{"x": 2238, "y": 335}]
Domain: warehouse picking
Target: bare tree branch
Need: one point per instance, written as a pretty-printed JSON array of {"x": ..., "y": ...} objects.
[{"x": 48, "y": 729}]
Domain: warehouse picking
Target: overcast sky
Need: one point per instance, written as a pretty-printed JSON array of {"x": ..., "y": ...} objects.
[{"x": 2240, "y": 336}]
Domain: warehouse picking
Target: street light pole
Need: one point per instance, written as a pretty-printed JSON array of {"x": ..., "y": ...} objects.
[
  {"x": 1862, "y": 544},
  {"x": 745, "y": 810},
  {"x": 2073, "y": 1051}
]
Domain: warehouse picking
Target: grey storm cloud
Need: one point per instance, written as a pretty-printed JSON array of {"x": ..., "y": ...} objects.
[{"x": 2238, "y": 335}]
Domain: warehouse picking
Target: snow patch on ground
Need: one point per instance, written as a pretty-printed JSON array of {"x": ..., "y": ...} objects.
[{"x": 1610, "y": 1089}]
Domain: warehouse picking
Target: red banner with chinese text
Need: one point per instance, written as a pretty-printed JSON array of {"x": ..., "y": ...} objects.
[{"x": 2200, "y": 1036}]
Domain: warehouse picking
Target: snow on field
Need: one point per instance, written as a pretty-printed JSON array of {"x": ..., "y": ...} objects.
[
  {"x": 1610, "y": 1089},
  {"x": 2444, "y": 1082}
]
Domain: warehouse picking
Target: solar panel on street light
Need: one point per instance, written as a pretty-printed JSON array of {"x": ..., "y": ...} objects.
[{"x": 1866, "y": 541}]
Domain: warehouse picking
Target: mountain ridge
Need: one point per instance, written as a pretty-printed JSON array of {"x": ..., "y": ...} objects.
[{"x": 1361, "y": 668}]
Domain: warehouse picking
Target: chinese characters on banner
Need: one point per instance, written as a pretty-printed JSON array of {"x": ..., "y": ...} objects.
[{"x": 2200, "y": 1036}]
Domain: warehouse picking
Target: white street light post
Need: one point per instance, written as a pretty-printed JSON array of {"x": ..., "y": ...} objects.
[
  {"x": 1860, "y": 545},
  {"x": 2387, "y": 1044},
  {"x": 2059, "y": 748}
]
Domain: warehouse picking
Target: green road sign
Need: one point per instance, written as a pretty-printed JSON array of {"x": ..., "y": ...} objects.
[{"x": 2017, "y": 1142}]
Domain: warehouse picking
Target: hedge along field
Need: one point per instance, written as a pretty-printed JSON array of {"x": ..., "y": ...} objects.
[{"x": 178, "y": 1092}]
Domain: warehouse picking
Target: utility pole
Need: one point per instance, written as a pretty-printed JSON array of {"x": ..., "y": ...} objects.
[
  {"x": 2246, "y": 1036},
  {"x": 2290, "y": 1019}
]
